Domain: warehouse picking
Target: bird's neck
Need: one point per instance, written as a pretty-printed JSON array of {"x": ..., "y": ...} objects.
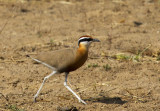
[{"x": 83, "y": 49}]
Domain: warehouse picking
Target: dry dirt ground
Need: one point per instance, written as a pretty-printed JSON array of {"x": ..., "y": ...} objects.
[{"x": 121, "y": 74}]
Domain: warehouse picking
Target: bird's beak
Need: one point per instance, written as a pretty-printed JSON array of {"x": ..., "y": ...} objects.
[{"x": 96, "y": 40}]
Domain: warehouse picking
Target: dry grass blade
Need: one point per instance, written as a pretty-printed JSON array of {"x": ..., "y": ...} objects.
[
  {"x": 13, "y": 61},
  {"x": 66, "y": 3},
  {"x": 4, "y": 26},
  {"x": 145, "y": 49},
  {"x": 3, "y": 96},
  {"x": 92, "y": 86},
  {"x": 133, "y": 96}
]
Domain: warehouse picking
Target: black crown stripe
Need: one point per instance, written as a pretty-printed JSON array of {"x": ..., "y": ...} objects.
[{"x": 84, "y": 39}]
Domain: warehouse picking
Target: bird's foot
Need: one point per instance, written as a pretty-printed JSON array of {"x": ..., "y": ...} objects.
[
  {"x": 34, "y": 100},
  {"x": 80, "y": 100}
]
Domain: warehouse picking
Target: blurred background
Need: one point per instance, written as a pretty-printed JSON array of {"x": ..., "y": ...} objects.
[{"x": 122, "y": 72}]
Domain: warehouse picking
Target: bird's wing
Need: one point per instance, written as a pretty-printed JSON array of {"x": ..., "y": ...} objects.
[{"x": 57, "y": 59}]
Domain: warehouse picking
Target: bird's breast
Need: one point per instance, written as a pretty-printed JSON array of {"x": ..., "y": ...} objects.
[{"x": 81, "y": 57}]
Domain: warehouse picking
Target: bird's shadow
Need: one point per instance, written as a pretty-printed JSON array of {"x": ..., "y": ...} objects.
[{"x": 108, "y": 100}]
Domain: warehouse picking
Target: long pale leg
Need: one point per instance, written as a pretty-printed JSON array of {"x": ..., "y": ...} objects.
[
  {"x": 36, "y": 95},
  {"x": 65, "y": 84}
]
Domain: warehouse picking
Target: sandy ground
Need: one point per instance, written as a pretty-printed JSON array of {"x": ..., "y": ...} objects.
[{"x": 122, "y": 72}]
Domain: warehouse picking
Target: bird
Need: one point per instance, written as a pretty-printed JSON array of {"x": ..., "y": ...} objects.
[{"x": 65, "y": 61}]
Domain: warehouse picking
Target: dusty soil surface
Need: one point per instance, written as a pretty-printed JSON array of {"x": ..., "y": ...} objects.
[{"x": 122, "y": 72}]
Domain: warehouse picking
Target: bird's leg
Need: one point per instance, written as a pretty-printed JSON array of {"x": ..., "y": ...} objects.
[
  {"x": 65, "y": 84},
  {"x": 45, "y": 78}
]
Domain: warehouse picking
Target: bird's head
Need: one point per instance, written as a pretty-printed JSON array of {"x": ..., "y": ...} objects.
[{"x": 86, "y": 40}]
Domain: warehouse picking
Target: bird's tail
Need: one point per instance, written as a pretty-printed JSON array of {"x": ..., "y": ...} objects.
[
  {"x": 36, "y": 61},
  {"x": 27, "y": 55}
]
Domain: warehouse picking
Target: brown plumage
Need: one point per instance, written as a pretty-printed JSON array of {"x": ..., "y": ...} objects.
[{"x": 65, "y": 60}]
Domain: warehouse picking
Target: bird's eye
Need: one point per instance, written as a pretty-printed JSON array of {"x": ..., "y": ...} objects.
[{"x": 84, "y": 39}]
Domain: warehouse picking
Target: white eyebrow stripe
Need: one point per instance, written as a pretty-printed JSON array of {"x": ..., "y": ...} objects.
[{"x": 84, "y": 38}]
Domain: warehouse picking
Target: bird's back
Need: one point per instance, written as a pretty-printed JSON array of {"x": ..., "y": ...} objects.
[{"x": 62, "y": 60}]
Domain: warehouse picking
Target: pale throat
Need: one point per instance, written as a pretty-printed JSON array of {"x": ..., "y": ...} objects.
[{"x": 84, "y": 45}]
